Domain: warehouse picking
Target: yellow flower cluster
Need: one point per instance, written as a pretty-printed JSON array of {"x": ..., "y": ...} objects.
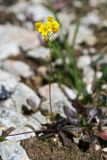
[{"x": 48, "y": 28}]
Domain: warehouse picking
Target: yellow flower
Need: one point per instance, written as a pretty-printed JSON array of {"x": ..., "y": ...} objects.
[
  {"x": 50, "y": 19},
  {"x": 55, "y": 26},
  {"x": 38, "y": 25},
  {"x": 49, "y": 28},
  {"x": 44, "y": 29}
]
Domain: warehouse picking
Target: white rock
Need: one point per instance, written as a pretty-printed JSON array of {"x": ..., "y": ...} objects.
[
  {"x": 19, "y": 7},
  {"x": 97, "y": 147},
  {"x": 105, "y": 149},
  {"x": 91, "y": 18},
  {"x": 36, "y": 120},
  {"x": 83, "y": 61},
  {"x": 9, "y": 118},
  {"x": 39, "y": 53},
  {"x": 8, "y": 80},
  {"x": 22, "y": 94},
  {"x": 11, "y": 150},
  {"x": 104, "y": 86},
  {"x": 103, "y": 59},
  {"x": 7, "y": 50},
  {"x": 8, "y": 104},
  {"x": 17, "y": 68},
  {"x": 95, "y": 3},
  {"x": 24, "y": 133},
  {"x": 66, "y": 18},
  {"x": 84, "y": 35},
  {"x": 71, "y": 94},
  {"x": 14, "y": 37},
  {"x": 39, "y": 12},
  {"x": 89, "y": 75},
  {"x": 99, "y": 74},
  {"x": 59, "y": 100}
]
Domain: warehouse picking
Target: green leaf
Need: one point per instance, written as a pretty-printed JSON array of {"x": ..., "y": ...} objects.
[{"x": 2, "y": 139}]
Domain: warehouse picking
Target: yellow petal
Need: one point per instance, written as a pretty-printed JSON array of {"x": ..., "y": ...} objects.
[
  {"x": 38, "y": 25},
  {"x": 50, "y": 18}
]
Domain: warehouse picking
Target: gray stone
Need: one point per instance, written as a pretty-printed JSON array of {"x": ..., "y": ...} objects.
[
  {"x": 70, "y": 93},
  {"x": 59, "y": 100},
  {"x": 9, "y": 118},
  {"x": 8, "y": 80},
  {"x": 36, "y": 120},
  {"x": 91, "y": 18},
  {"x": 39, "y": 11},
  {"x": 39, "y": 53},
  {"x": 11, "y": 150},
  {"x": 17, "y": 68},
  {"x": 83, "y": 61},
  {"x": 24, "y": 133},
  {"x": 14, "y": 37},
  {"x": 25, "y": 96},
  {"x": 84, "y": 35},
  {"x": 9, "y": 104},
  {"x": 89, "y": 74}
]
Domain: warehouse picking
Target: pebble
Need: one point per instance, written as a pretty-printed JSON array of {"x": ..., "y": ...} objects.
[
  {"x": 70, "y": 93},
  {"x": 36, "y": 120},
  {"x": 8, "y": 80},
  {"x": 83, "y": 61},
  {"x": 59, "y": 100},
  {"x": 17, "y": 68},
  {"x": 9, "y": 118},
  {"x": 84, "y": 35},
  {"x": 11, "y": 150},
  {"x": 13, "y": 38},
  {"x": 38, "y": 11},
  {"x": 105, "y": 149},
  {"x": 22, "y": 94},
  {"x": 40, "y": 53},
  {"x": 88, "y": 78},
  {"x": 92, "y": 18}
]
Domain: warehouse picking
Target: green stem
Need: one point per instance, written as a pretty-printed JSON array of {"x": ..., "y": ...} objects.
[{"x": 50, "y": 80}]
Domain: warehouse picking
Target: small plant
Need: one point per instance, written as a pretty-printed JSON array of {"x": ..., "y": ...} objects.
[{"x": 47, "y": 30}]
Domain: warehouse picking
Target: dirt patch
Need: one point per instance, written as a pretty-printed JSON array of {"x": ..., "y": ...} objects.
[
  {"x": 47, "y": 150},
  {"x": 50, "y": 150}
]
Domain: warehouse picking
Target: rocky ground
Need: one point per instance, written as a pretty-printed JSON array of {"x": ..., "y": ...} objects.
[{"x": 79, "y": 129}]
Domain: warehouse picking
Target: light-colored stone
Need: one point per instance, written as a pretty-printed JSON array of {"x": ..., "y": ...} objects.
[
  {"x": 22, "y": 94},
  {"x": 14, "y": 37},
  {"x": 95, "y": 3},
  {"x": 9, "y": 118},
  {"x": 92, "y": 18},
  {"x": 8, "y": 80},
  {"x": 7, "y": 50},
  {"x": 66, "y": 18},
  {"x": 39, "y": 11},
  {"x": 83, "y": 61},
  {"x": 24, "y": 133},
  {"x": 40, "y": 53},
  {"x": 105, "y": 149},
  {"x": 9, "y": 104},
  {"x": 59, "y": 100},
  {"x": 71, "y": 94},
  {"x": 84, "y": 35},
  {"x": 36, "y": 120},
  {"x": 88, "y": 75},
  {"x": 11, "y": 150},
  {"x": 17, "y": 68}
]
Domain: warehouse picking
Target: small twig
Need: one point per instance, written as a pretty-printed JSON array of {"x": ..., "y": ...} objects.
[{"x": 17, "y": 134}]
